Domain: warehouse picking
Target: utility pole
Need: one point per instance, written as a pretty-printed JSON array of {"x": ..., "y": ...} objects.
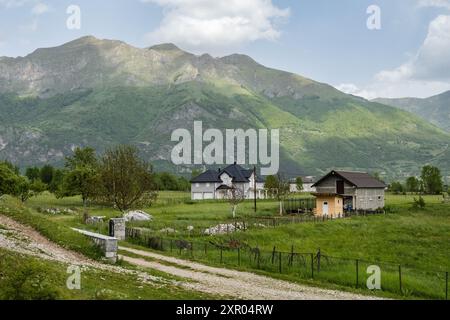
[{"x": 254, "y": 185}]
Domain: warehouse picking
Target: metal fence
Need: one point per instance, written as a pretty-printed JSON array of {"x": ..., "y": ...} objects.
[{"x": 353, "y": 273}]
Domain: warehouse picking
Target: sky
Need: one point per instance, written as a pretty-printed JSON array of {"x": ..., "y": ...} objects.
[{"x": 370, "y": 48}]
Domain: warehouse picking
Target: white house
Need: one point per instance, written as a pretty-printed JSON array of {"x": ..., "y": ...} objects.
[
  {"x": 216, "y": 184},
  {"x": 308, "y": 183}
]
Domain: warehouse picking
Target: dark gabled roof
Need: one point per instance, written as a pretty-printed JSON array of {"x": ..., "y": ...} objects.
[
  {"x": 235, "y": 171},
  {"x": 357, "y": 179},
  {"x": 238, "y": 173},
  {"x": 208, "y": 176}
]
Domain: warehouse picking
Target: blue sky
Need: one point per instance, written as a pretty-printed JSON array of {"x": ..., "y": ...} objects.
[{"x": 325, "y": 40}]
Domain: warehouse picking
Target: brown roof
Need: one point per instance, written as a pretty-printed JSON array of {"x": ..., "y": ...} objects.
[{"x": 358, "y": 179}]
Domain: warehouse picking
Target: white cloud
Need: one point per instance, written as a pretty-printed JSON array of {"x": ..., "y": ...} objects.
[
  {"x": 432, "y": 61},
  {"x": 353, "y": 89},
  {"x": 218, "y": 23},
  {"x": 425, "y": 74}
]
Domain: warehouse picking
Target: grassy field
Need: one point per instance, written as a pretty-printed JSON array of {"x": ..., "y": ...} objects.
[
  {"x": 418, "y": 240},
  {"x": 26, "y": 278}
]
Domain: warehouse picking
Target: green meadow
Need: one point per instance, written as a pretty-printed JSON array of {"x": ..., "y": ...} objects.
[{"x": 418, "y": 240}]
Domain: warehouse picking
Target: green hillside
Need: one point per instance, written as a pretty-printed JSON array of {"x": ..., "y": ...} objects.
[
  {"x": 108, "y": 92},
  {"x": 435, "y": 109}
]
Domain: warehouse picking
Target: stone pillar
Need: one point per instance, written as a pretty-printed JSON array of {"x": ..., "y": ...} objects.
[{"x": 117, "y": 228}]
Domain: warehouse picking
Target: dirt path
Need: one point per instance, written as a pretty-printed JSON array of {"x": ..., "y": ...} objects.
[
  {"x": 217, "y": 281},
  {"x": 242, "y": 285},
  {"x": 25, "y": 240}
]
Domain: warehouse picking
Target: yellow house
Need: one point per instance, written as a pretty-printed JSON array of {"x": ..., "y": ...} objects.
[{"x": 329, "y": 204}]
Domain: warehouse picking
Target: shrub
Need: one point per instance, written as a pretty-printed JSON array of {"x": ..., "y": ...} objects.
[{"x": 419, "y": 203}]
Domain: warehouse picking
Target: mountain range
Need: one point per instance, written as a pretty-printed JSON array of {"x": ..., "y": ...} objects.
[
  {"x": 435, "y": 109},
  {"x": 92, "y": 92}
]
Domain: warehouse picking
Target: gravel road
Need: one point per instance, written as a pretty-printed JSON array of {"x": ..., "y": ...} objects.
[{"x": 242, "y": 285}]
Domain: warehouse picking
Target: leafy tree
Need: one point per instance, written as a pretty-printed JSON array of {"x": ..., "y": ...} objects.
[
  {"x": 271, "y": 184},
  {"x": 82, "y": 176},
  {"x": 412, "y": 184},
  {"x": 56, "y": 184},
  {"x": 29, "y": 189},
  {"x": 432, "y": 180},
  {"x": 299, "y": 184},
  {"x": 396, "y": 187},
  {"x": 419, "y": 203},
  {"x": 11, "y": 166},
  {"x": 9, "y": 180},
  {"x": 127, "y": 181},
  {"x": 279, "y": 188},
  {"x": 47, "y": 172},
  {"x": 33, "y": 174}
]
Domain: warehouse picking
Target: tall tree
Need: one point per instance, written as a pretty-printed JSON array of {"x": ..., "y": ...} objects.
[
  {"x": 412, "y": 184},
  {"x": 432, "y": 180},
  {"x": 9, "y": 180},
  {"x": 33, "y": 174},
  {"x": 127, "y": 180},
  {"x": 47, "y": 174},
  {"x": 82, "y": 175}
]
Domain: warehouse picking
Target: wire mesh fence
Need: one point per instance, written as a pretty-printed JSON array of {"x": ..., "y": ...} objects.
[{"x": 355, "y": 273}]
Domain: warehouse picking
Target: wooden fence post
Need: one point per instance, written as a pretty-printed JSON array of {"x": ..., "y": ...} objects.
[
  {"x": 273, "y": 255},
  {"x": 318, "y": 261},
  {"x": 259, "y": 260},
  {"x": 279, "y": 263},
  {"x": 291, "y": 262}
]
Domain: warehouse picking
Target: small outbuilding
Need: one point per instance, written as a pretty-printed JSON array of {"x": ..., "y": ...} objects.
[{"x": 340, "y": 191}]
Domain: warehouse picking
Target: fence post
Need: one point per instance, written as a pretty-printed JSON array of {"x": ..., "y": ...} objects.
[
  {"x": 273, "y": 255},
  {"x": 291, "y": 262},
  {"x": 312, "y": 265},
  {"x": 259, "y": 259},
  {"x": 357, "y": 273},
  {"x": 400, "y": 277},
  {"x": 239, "y": 256},
  {"x": 279, "y": 263},
  {"x": 318, "y": 261}
]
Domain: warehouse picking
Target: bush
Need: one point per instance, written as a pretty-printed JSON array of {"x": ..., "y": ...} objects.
[
  {"x": 419, "y": 203},
  {"x": 26, "y": 281}
]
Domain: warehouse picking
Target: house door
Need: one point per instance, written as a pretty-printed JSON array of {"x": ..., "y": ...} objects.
[{"x": 325, "y": 209}]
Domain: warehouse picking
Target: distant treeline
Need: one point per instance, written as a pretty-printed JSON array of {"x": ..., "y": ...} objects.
[
  {"x": 429, "y": 182},
  {"x": 119, "y": 178}
]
